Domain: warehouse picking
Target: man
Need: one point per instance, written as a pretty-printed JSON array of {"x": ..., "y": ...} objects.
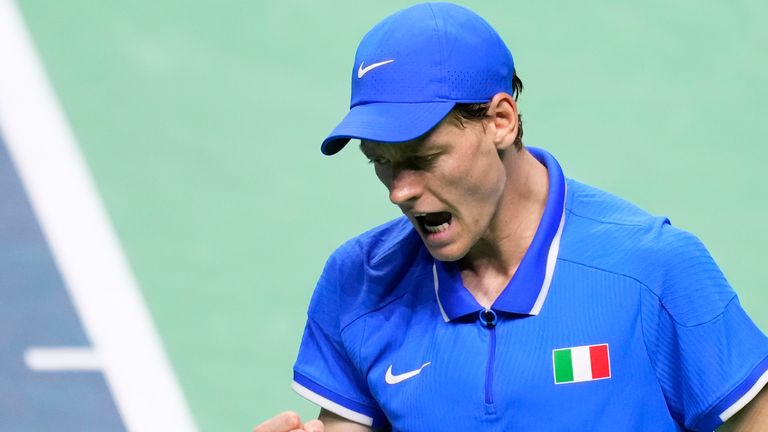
[{"x": 508, "y": 297}]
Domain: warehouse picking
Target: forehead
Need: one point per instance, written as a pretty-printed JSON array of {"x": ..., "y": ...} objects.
[
  {"x": 391, "y": 150},
  {"x": 440, "y": 136}
]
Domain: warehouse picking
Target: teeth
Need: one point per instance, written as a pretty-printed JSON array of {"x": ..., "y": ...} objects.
[{"x": 436, "y": 229}]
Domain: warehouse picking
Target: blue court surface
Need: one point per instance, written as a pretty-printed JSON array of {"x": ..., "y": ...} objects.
[{"x": 36, "y": 313}]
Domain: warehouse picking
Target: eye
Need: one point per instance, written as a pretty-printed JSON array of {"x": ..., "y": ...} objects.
[
  {"x": 378, "y": 161},
  {"x": 425, "y": 161}
]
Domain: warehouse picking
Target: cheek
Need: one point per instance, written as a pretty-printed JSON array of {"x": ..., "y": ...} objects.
[
  {"x": 482, "y": 177},
  {"x": 478, "y": 190},
  {"x": 491, "y": 170}
]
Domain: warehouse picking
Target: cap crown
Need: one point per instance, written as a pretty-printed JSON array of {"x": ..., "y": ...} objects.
[{"x": 431, "y": 52}]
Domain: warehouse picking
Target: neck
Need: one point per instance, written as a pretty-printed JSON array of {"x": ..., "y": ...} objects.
[{"x": 492, "y": 262}]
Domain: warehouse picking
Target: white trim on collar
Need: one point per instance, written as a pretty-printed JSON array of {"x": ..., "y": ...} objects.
[
  {"x": 437, "y": 295},
  {"x": 554, "y": 249}
]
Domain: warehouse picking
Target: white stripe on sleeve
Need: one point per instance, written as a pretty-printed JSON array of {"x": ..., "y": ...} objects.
[{"x": 331, "y": 405}]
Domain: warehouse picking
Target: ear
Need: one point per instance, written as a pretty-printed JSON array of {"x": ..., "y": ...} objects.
[{"x": 502, "y": 112}]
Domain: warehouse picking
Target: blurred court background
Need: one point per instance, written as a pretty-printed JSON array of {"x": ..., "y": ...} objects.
[{"x": 201, "y": 121}]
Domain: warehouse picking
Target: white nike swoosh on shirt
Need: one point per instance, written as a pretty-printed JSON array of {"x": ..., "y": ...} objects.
[
  {"x": 364, "y": 70},
  {"x": 394, "y": 379}
]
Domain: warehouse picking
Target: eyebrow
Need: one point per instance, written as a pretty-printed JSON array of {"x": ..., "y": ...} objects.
[
  {"x": 420, "y": 147},
  {"x": 398, "y": 154}
]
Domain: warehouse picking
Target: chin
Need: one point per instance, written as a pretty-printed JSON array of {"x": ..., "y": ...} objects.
[{"x": 446, "y": 254}]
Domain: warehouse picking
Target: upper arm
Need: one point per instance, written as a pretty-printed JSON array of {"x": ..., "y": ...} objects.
[
  {"x": 327, "y": 369},
  {"x": 335, "y": 423},
  {"x": 753, "y": 417},
  {"x": 708, "y": 354}
]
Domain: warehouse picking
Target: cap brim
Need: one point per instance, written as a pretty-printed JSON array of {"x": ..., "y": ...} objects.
[{"x": 386, "y": 122}]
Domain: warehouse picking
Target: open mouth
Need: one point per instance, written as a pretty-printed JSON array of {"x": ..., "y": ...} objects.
[{"x": 434, "y": 222}]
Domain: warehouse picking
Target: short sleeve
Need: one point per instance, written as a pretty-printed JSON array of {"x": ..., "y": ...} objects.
[
  {"x": 709, "y": 357},
  {"x": 324, "y": 372}
]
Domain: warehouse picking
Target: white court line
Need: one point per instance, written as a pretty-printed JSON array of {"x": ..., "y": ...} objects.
[
  {"x": 62, "y": 359},
  {"x": 84, "y": 245}
]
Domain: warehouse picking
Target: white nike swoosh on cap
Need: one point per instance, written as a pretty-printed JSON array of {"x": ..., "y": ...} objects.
[
  {"x": 395, "y": 379},
  {"x": 364, "y": 70}
]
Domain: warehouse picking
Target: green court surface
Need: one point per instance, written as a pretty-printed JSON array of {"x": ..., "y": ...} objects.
[{"x": 201, "y": 124}]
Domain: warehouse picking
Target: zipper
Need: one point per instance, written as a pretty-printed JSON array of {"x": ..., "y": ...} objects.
[{"x": 488, "y": 319}]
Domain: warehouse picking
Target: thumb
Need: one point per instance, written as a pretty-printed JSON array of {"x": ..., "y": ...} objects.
[
  {"x": 282, "y": 422},
  {"x": 314, "y": 426}
]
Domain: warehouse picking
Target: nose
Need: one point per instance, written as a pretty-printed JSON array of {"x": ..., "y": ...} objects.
[{"x": 406, "y": 186}]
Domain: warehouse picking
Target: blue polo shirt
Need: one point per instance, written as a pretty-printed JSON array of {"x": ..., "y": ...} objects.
[{"x": 614, "y": 319}]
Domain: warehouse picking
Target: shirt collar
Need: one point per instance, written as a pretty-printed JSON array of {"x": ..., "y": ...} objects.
[{"x": 526, "y": 291}]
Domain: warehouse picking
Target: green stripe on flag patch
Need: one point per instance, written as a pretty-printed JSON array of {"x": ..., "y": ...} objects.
[{"x": 563, "y": 365}]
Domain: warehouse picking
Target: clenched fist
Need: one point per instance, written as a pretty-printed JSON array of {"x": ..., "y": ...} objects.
[{"x": 289, "y": 422}]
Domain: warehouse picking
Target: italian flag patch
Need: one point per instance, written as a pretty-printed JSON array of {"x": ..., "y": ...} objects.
[{"x": 581, "y": 363}]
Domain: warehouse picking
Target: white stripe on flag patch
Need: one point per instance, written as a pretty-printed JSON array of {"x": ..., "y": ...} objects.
[{"x": 582, "y": 365}]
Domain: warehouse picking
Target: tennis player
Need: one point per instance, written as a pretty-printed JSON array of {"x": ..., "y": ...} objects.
[{"x": 507, "y": 296}]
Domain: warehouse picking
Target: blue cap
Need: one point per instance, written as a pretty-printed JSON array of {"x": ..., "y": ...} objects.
[{"x": 414, "y": 66}]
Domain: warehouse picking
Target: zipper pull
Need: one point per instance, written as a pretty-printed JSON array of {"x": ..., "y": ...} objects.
[{"x": 488, "y": 318}]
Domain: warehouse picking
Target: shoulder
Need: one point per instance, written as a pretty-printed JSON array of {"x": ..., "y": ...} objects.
[
  {"x": 609, "y": 233},
  {"x": 605, "y": 229},
  {"x": 385, "y": 243},
  {"x": 370, "y": 270},
  {"x": 588, "y": 202}
]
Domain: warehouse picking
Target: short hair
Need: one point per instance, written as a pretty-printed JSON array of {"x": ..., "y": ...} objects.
[{"x": 479, "y": 111}]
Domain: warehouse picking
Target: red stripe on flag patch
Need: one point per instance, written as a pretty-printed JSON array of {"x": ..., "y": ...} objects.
[{"x": 601, "y": 364}]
